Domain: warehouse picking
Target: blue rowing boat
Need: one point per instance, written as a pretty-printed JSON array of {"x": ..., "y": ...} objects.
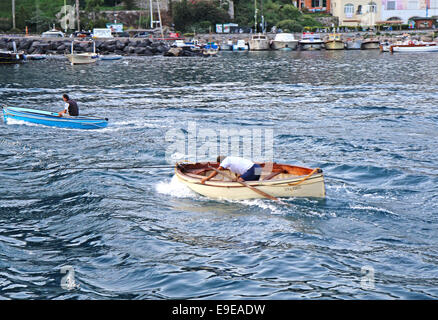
[{"x": 52, "y": 119}]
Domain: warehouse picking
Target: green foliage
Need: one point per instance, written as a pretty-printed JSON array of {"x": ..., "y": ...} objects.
[
  {"x": 202, "y": 15},
  {"x": 130, "y": 4},
  {"x": 279, "y": 13},
  {"x": 290, "y": 25}
]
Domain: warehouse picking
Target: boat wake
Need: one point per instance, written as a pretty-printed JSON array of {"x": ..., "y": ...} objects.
[
  {"x": 177, "y": 189},
  {"x": 21, "y": 122}
]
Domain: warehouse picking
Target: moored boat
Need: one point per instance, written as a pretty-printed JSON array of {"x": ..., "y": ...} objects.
[
  {"x": 355, "y": 44},
  {"x": 277, "y": 180},
  {"x": 284, "y": 41},
  {"x": 240, "y": 46},
  {"x": 258, "y": 42},
  {"x": 83, "y": 57},
  {"x": 414, "y": 46},
  {"x": 370, "y": 44},
  {"x": 334, "y": 42},
  {"x": 110, "y": 57},
  {"x": 9, "y": 57},
  {"x": 311, "y": 41},
  {"x": 52, "y": 119}
]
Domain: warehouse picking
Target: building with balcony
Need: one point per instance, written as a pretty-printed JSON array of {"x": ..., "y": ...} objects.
[
  {"x": 357, "y": 13},
  {"x": 409, "y": 10}
]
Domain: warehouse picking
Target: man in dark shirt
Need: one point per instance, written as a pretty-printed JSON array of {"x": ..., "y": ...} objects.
[{"x": 71, "y": 107}]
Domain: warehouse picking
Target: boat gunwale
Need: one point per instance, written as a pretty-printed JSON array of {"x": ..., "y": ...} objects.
[
  {"x": 233, "y": 184},
  {"x": 38, "y": 115}
]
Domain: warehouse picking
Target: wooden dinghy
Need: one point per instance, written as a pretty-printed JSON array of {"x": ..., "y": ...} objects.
[{"x": 277, "y": 180}]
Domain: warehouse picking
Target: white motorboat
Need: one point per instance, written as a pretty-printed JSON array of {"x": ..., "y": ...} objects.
[
  {"x": 414, "y": 46},
  {"x": 240, "y": 46},
  {"x": 311, "y": 41},
  {"x": 284, "y": 41},
  {"x": 259, "y": 42}
]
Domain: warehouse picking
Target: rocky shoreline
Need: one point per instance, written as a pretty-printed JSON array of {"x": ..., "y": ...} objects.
[{"x": 120, "y": 46}]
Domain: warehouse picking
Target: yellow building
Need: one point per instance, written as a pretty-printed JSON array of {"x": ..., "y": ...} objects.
[{"x": 364, "y": 13}]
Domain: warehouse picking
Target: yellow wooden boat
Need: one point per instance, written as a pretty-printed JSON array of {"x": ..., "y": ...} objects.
[
  {"x": 276, "y": 180},
  {"x": 334, "y": 42}
]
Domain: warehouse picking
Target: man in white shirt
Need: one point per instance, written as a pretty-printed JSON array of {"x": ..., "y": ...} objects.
[{"x": 245, "y": 169}]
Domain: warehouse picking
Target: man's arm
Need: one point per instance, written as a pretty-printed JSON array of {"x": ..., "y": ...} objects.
[{"x": 213, "y": 174}]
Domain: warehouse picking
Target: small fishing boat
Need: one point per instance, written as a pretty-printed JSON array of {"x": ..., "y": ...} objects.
[
  {"x": 10, "y": 57},
  {"x": 35, "y": 56},
  {"x": 279, "y": 180},
  {"x": 52, "y": 119},
  {"x": 311, "y": 41},
  {"x": 211, "y": 49},
  {"x": 240, "y": 46},
  {"x": 370, "y": 44},
  {"x": 109, "y": 57},
  {"x": 385, "y": 46},
  {"x": 334, "y": 42},
  {"x": 284, "y": 41},
  {"x": 414, "y": 46},
  {"x": 258, "y": 42},
  {"x": 355, "y": 44},
  {"x": 83, "y": 57}
]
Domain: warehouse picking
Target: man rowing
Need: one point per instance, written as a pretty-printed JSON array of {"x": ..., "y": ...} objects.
[
  {"x": 71, "y": 107},
  {"x": 244, "y": 168}
]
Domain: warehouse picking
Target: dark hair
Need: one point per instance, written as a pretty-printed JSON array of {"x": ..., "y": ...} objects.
[
  {"x": 66, "y": 96},
  {"x": 219, "y": 159}
]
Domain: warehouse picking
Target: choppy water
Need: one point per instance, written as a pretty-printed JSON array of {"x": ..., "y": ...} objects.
[{"x": 369, "y": 120}]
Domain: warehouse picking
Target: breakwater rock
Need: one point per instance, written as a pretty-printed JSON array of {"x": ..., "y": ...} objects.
[{"x": 121, "y": 46}]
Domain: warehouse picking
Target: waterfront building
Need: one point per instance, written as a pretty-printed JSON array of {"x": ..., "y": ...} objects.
[
  {"x": 313, "y": 5},
  {"x": 362, "y": 13},
  {"x": 407, "y": 10}
]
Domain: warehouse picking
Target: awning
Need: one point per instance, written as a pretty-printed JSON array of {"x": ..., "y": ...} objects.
[{"x": 390, "y": 22}]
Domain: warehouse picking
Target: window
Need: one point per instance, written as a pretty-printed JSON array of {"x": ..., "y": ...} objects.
[
  {"x": 412, "y": 4},
  {"x": 372, "y": 7},
  {"x": 390, "y": 5},
  {"x": 349, "y": 10},
  {"x": 359, "y": 9},
  {"x": 319, "y": 3},
  {"x": 433, "y": 4}
]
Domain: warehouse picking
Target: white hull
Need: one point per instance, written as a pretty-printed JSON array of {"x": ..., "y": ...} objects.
[
  {"x": 258, "y": 45},
  {"x": 354, "y": 45},
  {"x": 278, "y": 45},
  {"x": 82, "y": 58},
  {"x": 283, "y": 186},
  {"x": 370, "y": 45},
  {"x": 311, "y": 45},
  {"x": 426, "y": 48}
]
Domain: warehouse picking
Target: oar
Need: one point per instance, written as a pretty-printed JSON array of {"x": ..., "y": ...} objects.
[{"x": 250, "y": 187}]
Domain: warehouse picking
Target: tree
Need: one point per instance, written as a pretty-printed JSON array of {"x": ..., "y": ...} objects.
[
  {"x": 93, "y": 6},
  {"x": 129, "y": 4},
  {"x": 202, "y": 15}
]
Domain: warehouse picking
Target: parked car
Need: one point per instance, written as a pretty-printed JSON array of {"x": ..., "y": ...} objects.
[
  {"x": 143, "y": 35},
  {"x": 82, "y": 34},
  {"x": 120, "y": 34},
  {"x": 53, "y": 34}
]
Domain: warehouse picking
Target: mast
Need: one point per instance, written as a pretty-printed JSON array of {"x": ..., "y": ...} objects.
[
  {"x": 77, "y": 15},
  {"x": 152, "y": 13},
  {"x": 13, "y": 14},
  {"x": 255, "y": 16},
  {"x": 159, "y": 18}
]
